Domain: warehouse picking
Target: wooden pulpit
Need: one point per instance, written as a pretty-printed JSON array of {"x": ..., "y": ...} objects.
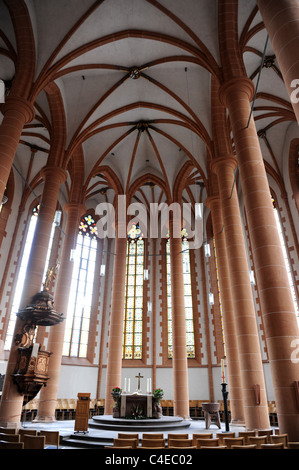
[{"x": 82, "y": 412}]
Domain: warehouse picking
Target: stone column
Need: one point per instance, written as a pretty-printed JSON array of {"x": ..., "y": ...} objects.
[
  {"x": 179, "y": 359},
  {"x": 251, "y": 367},
  {"x": 11, "y": 402},
  {"x": 115, "y": 340},
  {"x": 48, "y": 394},
  {"x": 230, "y": 336},
  {"x": 17, "y": 112},
  {"x": 281, "y": 20},
  {"x": 278, "y": 310}
]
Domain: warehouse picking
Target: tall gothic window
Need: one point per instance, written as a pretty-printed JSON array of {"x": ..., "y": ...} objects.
[
  {"x": 79, "y": 306},
  {"x": 22, "y": 272},
  {"x": 133, "y": 308},
  {"x": 286, "y": 257},
  {"x": 190, "y": 342}
]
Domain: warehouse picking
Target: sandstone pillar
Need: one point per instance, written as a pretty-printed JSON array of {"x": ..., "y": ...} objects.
[
  {"x": 115, "y": 340},
  {"x": 230, "y": 337},
  {"x": 17, "y": 112},
  {"x": 281, "y": 20},
  {"x": 11, "y": 402},
  {"x": 48, "y": 395},
  {"x": 179, "y": 359},
  {"x": 251, "y": 367},
  {"x": 280, "y": 322}
]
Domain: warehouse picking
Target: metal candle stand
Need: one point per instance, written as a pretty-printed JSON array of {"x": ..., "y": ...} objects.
[{"x": 225, "y": 394}]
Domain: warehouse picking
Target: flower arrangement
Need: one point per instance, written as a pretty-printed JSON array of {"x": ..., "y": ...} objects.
[
  {"x": 136, "y": 413},
  {"x": 116, "y": 393},
  {"x": 158, "y": 395}
]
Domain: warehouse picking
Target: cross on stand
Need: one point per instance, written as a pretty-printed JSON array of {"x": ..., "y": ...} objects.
[{"x": 138, "y": 377}]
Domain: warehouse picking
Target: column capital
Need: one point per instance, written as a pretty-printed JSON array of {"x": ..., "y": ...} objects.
[
  {"x": 59, "y": 174},
  {"x": 226, "y": 160},
  {"x": 240, "y": 84},
  {"x": 21, "y": 105},
  {"x": 212, "y": 200},
  {"x": 75, "y": 207}
]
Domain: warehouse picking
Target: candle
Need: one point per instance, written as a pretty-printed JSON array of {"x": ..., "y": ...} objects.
[
  {"x": 147, "y": 385},
  {"x": 222, "y": 371},
  {"x": 125, "y": 387},
  {"x": 150, "y": 385},
  {"x": 129, "y": 385}
]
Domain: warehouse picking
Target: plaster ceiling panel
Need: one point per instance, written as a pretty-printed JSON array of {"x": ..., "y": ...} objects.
[
  {"x": 81, "y": 93},
  {"x": 7, "y": 68},
  {"x": 127, "y": 53},
  {"x": 201, "y": 17},
  {"x": 191, "y": 84},
  {"x": 6, "y": 25},
  {"x": 54, "y": 19},
  {"x": 112, "y": 17},
  {"x": 186, "y": 139},
  {"x": 245, "y": 8},
  {"x": 136, "y": 91}
]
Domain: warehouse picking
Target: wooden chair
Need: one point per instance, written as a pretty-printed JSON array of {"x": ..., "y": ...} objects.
[
  {"x": 177, "y": 436},
  {"x": 9, "y": 437},
  {"x": 221, "y": 436},
  {"x": 153, "y": 443},
  {"x": 52, "y": 438},
  {"x": 152, "y": 436},
  {"x": 229, "y": 441},
  {"x": 207, "y": 443},
  {"x": 34, "y": 442},
  {"x": 127, "y": 436},
  {"x": 212, "y": 447},
  {"x": 9, "y": 430},
  {"x": 279, "y": 445},
  {"x": 116, "y": 447},
  {"x": 274, "y": 439},
  {"x": 293, "y": 445},
  {"x": 201, "y": 436},
  {"x": 29, "y": 432},
  {"x": 125, "y": 442},
  {"x": 176, "y": 443},
  {"x": 258, "y": 440},
  {"x": 244, "y": 447},
  {"x": 265, "y": 432},
  {"x": 246, "y": 435},
  {"x": 11, "y": 445}
]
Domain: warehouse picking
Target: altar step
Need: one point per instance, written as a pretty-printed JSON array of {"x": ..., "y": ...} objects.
[{"x": 166, "y": 423}]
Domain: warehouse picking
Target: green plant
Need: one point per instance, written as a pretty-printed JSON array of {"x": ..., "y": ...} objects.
[
  {"x": 116, "y": 393},
  {"x": 158, "y": 395}
]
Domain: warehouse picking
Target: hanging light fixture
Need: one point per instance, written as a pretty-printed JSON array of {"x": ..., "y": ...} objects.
[
  {"x": 207, "y": 250},
  {"x": 57, "y": 218},
  {"x": 102, "y": 270}
]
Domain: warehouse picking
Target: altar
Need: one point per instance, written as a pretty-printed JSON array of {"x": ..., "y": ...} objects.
[{"x": 136, "y": 406}]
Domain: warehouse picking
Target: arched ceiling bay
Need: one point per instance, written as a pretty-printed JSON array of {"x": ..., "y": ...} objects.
[{"x": 135, "y": 83}]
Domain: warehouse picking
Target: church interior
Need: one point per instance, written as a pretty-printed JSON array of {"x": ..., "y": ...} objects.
[{"x": 149, "y": 255}]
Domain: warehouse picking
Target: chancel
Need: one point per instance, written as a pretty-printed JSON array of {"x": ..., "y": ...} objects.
[{"x": 149, "y": 179}]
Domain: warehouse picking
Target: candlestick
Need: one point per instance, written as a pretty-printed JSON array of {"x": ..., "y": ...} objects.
[{"x": 222, "y": 371}]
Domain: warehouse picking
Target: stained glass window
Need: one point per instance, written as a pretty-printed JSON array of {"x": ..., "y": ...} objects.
[
  {"x": 286, "y": 258},
  {"x": 79, "y": 307},
  {"x": 190, "y": 343},
  {"x": 133, "y": 308}
]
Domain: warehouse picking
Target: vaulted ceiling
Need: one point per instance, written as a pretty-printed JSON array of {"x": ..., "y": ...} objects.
[{"x": 125, "y": 89}]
